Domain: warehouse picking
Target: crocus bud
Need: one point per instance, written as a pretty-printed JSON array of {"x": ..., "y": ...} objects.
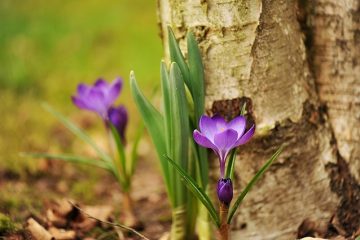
[
  {"x": 225, "y": 190},
  {"x": 119, "y": 118}
]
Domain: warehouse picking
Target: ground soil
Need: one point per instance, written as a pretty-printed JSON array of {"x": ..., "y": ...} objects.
[{"x": 49, "y": 185}]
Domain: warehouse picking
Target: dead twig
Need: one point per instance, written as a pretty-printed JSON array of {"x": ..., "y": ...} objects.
[{"x": 110, "y": 223}]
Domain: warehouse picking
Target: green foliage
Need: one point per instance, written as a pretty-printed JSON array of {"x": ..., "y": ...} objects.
[
  {"x": 48, "y": 47},
  {"x": 174, "y": 140},
  {"x": 117, "y": 165},
  {"x": 176, "y": 56},
  {"x": 193, "y": 74},
  {"x": 231, "y": 165},
  {"x": 196, "y": 82},
  {"x": 154, "y": 123},
  {"x": 6, "y": 225},
  {"x": 205, "y": 200},
  {"x": 77, "y": 131},
  {"x": 171, "y": 131},
  {"x": 197, "y": 191},
  {"x": 70, "y": 158}
]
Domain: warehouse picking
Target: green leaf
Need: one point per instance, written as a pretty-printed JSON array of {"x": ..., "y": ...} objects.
[
  {"x": 134, "y": 150},
  {"x": 77, "y": 131},
  {"x": 197, "y": 191},
  {"x": 197, "y": 86},
  {"x": 154, "y": 123},
  {"x": 166, "y": 92},
  {"x": 71, "y": 158},
  {"x": 252, "y": 182},
  {"x": 179, "y": 123},
  {"x": 120, "y": 168},
  {"x": 176, "y": 56},
  {"x": 168, "y": 133},
  {"x": 231, "y": 165},
  {"x": 196, "y": 70}
]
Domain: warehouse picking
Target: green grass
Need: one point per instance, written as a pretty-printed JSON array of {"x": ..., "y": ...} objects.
[{"x": 48, "y": 47}]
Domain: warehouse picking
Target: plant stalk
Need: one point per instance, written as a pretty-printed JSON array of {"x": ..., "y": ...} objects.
[
  {"x": 223, "y": 232},
  {"x": 203, "y": 224},
  {"x": 129, "y": 218},
  {"x": 178, "y": 226}
]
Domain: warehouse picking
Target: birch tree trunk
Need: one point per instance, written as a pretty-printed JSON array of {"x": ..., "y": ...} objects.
[{"x": 297, "y": 64}]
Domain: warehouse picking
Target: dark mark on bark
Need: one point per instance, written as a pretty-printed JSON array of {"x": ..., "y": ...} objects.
[
  {"x": 200, "y": 32},
  {"x": 348, "y": 189},
  {"x": 230, "y": 108}
]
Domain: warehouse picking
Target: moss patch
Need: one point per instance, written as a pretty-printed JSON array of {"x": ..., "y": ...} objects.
[{"x": 6, "y": 225}]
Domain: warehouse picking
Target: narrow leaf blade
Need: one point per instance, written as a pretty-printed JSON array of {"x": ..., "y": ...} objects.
[
  {"x": 77, "y": 131},
  {"x": 197, "y": 191},
  {"x": 177, "y": 56},
  {"x": 231, "y": 165},
  {"x": 166, "y": 92},
  {"x": 134, "y": 150},
  {"x": 179, "y": 123},
  {"x": 121, "y": 151},
  {"x": 70, "y": 158},
  {"x": 197, "y": 85},
  {"x": 196, "y": 70},
  {"x": 252, "y": 182},
  {"x": 154, "y": 123}
]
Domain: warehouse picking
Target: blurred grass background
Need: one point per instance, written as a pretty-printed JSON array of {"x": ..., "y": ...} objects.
[{"x": 48, "y": 47}]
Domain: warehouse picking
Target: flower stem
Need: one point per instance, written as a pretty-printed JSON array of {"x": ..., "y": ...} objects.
[
  {"x": 223, "y": 232},
  {"x": 129, "y": 216}
]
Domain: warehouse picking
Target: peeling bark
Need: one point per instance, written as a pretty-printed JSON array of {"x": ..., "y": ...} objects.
[{"x": 303, "y": 85}]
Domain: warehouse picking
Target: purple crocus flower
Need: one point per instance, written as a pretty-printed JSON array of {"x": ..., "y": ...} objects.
[
  {"x": 98, "y": 98},
  {"x": 225, "y": 190},
  {"x": 222, "y": 137},
  {"x": 118, "y": 117}
]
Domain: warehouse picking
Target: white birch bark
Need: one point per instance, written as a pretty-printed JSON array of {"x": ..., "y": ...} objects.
[{"x": 291, "y": 60}]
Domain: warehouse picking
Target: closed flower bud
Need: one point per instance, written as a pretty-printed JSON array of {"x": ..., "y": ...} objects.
[
  {"x": 225, "y": 190},
  {"x": 118, "y": 117}
]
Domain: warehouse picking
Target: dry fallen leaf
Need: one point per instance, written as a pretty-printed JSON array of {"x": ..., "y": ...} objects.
[
  {"x": 54, "y": 219},
  {"x": 101, "y": 212},
  {"x": 38, "y": 231},
  {"x": 61, "y": 234}
]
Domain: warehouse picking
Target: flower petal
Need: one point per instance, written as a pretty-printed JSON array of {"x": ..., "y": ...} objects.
[
  {"x": 208, "y": 127},
  {"x": 219, "y": 122},
  {"x": 82, "y": 89},
  {"x": 238, "y": 124},
  {"x": 225, "y": 141},
  {"x": 202, "y": 140},
  {"x": 95, "y": 101},
  {"x": 99, "y": 97},
  {"x": 101, "y": 83},
  {"x": 114, "y": 91},
  {"x": 79, "y": 102},
  {"x": 246, "y": 137}
]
